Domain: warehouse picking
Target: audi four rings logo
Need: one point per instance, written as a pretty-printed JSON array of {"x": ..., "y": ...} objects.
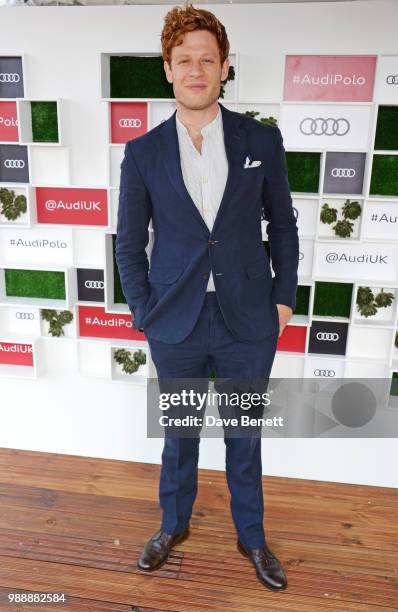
[
  {"x": 9, "y": 77},
  {"x": 130, "y": 123},
  {"x": 343, "y": 172},
  {"x": 14, "y": 163},
  {"x": 326, "y": 127},
  {"x": 330, "y": 336},
  {"x": 25, "y": 315},
  {"x": 93, "y": 284},
  {"x": 392, "y": 79},
  {"x": 324, "y": 373}
]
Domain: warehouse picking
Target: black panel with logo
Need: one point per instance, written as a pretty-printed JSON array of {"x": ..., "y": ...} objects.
[
  {"x": 11, "y": 77},
  {"x": 328, "y": 338},
  {"x": 344, "y": 173},
  {"x": 14, "y": 163},
  {"x": 90, "y": 285}
]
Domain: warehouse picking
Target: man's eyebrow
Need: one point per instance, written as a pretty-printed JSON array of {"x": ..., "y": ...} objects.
[{"x": 207, "y": 53}]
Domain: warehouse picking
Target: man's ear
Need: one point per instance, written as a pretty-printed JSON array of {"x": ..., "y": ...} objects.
[
  {"x": 225, "y": 69},
  {"x": 167, "y": 70}
]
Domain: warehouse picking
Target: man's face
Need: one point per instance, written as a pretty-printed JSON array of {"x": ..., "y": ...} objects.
[{"x": 196, "y": 71}]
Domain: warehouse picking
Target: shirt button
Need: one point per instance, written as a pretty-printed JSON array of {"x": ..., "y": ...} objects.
[{"x": 204, "y": 179}]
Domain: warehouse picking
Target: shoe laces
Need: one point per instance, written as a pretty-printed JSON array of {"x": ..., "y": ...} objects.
[{"x": 265, "y": 557}]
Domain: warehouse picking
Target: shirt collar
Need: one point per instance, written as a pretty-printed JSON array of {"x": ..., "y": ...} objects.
[{"x": 208, "y": 128}]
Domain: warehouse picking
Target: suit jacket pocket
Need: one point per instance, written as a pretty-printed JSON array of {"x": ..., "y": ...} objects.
[{"x": 257, "y": 268}]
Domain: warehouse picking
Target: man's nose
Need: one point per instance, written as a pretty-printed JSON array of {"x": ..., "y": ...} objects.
[{"x": 196, "y": 68}]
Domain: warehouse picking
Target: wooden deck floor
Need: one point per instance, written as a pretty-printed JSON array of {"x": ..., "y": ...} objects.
[{"x": 77, "y": 525}]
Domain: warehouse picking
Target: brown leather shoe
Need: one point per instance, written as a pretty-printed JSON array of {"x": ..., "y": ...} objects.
[
  {"x": 156, "y": 550},
  {"x": 268, "y": 568}
]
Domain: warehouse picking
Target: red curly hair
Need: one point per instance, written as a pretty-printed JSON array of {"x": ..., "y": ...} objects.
[{"x": 181, "y": 20}]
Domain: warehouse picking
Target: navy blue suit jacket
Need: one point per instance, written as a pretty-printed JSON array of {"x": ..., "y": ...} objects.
[{"x": 166, "y": 302}]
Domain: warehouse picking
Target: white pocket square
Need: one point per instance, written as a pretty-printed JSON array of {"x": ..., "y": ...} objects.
[{"x": 252, "y": 164}]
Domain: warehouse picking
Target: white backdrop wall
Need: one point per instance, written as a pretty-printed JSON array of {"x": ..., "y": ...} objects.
[{"x": 63, "y": 412}]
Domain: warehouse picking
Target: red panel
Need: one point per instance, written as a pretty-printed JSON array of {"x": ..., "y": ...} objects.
[
  {"x": 128, "y": 121},
  {"x": 16, "y": 353},
  {"x": 8, "y": 122},
  {"x": 95, "y": 322},
  {"x": 292, "y": 339},
  {"x": 332, "y": 78},
  {"x": 72, "y": 205}
]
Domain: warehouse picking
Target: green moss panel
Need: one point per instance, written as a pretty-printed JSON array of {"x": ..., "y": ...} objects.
[
  {"x": 387, "y": 128},
  {"x": 384, "y": 176},
  {"x": 302, "y": 300},
  {"x": 394, "y": 384},
  {"x": 332, "y": 299},
  {"x": 138, "y": 77},
  {"x": 303, "y": 171},
  {"x": 35, "y": 284},
  {"x": 44, "y": 122}
]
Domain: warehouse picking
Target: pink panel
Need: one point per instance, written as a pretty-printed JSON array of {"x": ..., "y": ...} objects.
[
  {"x": 329, "y": 78},
  {"x": 95, "y": 322},
  {"x": 128, "y": 120},
  {"x": 16, "y": 353},
  {"x": 72, "y": 205},
  {"x": 8, "y": 122}
]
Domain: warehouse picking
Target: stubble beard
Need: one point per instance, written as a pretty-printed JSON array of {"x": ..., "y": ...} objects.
[{"x": 190, "y": 103}]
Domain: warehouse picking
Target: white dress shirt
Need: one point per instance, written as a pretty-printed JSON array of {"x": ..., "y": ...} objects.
[{"x": 205, "y": 174}]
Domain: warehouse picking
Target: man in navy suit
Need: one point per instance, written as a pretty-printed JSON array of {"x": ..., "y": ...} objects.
[{"x": 206, "y": 177}]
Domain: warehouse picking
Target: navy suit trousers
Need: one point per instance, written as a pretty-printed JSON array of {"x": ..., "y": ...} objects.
[{"x": 210, "y": 345}]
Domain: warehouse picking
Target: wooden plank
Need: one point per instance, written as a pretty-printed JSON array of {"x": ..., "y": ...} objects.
[
  {"x": 382, "y": 536},
  {"x": 150, "y": 591},
  {"x": 310, "y": 579},
  {"x": 79, "y": 524},
  {"x": 104, "y": 476}
]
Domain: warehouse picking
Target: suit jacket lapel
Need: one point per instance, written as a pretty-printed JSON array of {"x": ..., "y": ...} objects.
[
  {"x": 235, "y": 144},
  {"x": 235, "y": 147}
]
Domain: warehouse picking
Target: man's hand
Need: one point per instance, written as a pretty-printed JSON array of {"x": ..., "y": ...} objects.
[{"x": 285, "y": 313}]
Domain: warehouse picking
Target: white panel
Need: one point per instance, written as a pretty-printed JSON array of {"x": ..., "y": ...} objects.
[
  {"x": 324, "y": 368},
  {"x": 368, "y": 343},
  {"x": 380, "y": 220},
  {"x": 89, "y": 249},
  {"x": 386, "y": 90},
  {"x": 351, "y": 132},
  {"x": 41, "y": 245},
  {"x": 365, "y": 369},
  {"x": 49, "y": 166},
  {"x": 20, "y": 320},
  {"x": 93, "y": 358},
  {"x": 356, "y": 261},
  {"x": 306, "y": 253},
  {"x": 307, "y": 210},
  {"x": 116, "y": 154},
  {"x": 159, "y": 112}
]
